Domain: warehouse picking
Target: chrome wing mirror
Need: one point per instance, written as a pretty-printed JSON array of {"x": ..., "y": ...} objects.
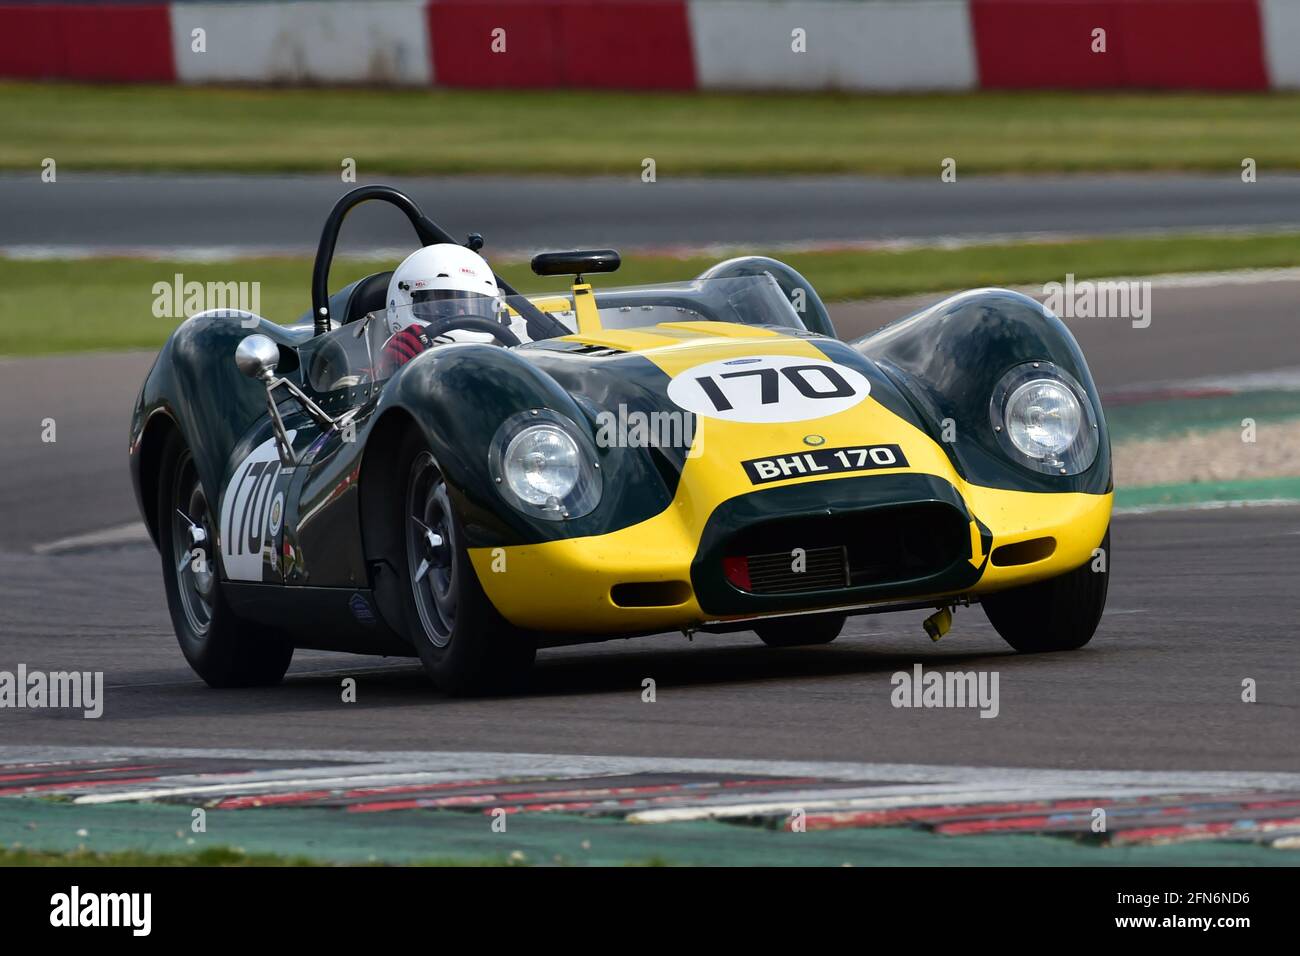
[{"x": 257, "y": 357}]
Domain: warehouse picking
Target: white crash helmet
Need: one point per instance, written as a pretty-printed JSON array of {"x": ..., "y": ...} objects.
[{"x": 441, "y": 281}]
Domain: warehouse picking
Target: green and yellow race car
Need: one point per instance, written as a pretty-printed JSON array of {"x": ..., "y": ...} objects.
[{"x": 606, "y": 462}]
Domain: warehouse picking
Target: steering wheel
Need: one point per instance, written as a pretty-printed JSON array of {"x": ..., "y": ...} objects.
[{"x": 473, "y": 323}]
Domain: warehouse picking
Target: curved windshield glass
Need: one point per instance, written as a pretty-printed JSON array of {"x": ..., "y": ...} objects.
[
  {"x": 383, "y": 341},
  {"x": 373, "y": 348},
  {"x": 748, "y": 300}
]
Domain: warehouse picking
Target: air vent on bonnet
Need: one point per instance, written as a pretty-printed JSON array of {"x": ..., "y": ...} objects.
[{"x": 600, "y": 351}]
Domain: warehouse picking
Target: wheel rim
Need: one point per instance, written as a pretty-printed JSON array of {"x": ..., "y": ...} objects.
[
  {"x": 191, "y": 547},
  {"x": 429, "y": 544}
]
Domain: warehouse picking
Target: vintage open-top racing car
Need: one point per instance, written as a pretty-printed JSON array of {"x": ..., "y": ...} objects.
[{"x": 704, "y": 456}]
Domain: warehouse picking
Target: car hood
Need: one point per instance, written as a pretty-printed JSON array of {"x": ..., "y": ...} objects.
[{"x": 725, "y": 394}]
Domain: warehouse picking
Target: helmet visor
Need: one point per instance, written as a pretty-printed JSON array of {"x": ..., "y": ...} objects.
[{"x": 432, "y": 305}]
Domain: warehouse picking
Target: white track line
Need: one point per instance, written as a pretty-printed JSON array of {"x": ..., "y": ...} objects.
[
  {"x": 1273, "y": 380},
  {"x": 59, "y": 252},
  {"x": 224, "y": 253},
  {"x": 133, "y": 533},
  {"x": 263, "y": 785},
  {"x": 827, "y": 800},
  {"x": 468, "y": 765}
]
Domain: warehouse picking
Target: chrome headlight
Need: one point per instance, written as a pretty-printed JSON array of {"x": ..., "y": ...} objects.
[
  {"x": 544, "y": 466},
  {"x": 541, "y": 465},
  {"x": 1043, "y": 419}
]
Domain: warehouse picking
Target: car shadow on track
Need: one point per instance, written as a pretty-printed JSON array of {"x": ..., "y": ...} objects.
[
  {"x": 725, "y": 665},
  {"x": 602, "y": 670}
]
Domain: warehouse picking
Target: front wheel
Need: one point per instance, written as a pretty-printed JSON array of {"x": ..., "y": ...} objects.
[
  {"x": 801, "y": 631},
  {"x": 222, "y": 649},
  {"x": 1059, "y": 614},
  {"x": 465, "y": 645}
]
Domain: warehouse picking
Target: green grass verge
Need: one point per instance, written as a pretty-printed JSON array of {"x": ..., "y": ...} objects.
[
  {"x": 155, "y": 834},
  {"x": 60, "y": 306},
  {"x": 1183, "y": 494},
  {"x": 214, "y": 856},
  {"x": 583, "y": 133},
  {"x": 1175, "y": 417}
]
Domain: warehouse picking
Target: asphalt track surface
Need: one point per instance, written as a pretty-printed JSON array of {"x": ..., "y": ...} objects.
[
  {"x": 1200, "y": 601},
  {"x": 159, "y": 214}
]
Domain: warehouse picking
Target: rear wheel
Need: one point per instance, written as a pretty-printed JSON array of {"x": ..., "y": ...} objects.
[
  {"x": 222, "y": 649},
  {"x": 465, "y": 645},
  {"x": 1059, "y": 614},
  {"x": 801, "y": 631}
]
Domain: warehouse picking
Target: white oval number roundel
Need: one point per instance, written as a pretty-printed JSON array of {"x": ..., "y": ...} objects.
[{"x": 768, "y": 388}]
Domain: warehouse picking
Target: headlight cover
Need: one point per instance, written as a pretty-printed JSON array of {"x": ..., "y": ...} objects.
[
  {"x": 544, "y": 466},
  {"x": 1042, "y": 419}
]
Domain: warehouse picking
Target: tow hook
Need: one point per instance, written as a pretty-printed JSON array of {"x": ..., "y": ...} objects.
[{"x": 939, "y": 623}]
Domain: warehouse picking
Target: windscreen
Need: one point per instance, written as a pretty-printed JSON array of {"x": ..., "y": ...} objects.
[
  {"x": 372, "y": 349},
  {"x": 748, "y": 300}
]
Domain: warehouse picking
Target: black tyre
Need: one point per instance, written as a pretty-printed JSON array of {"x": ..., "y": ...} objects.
[
  {"x": 1059, "y": 614},
  {"x": 222, "y": 649},
  {"x": 801, "y": 631},
  {"x": 465, "y": 645}
]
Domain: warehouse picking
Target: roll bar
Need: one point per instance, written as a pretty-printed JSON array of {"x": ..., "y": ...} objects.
[{"x": 429, "y": 232}]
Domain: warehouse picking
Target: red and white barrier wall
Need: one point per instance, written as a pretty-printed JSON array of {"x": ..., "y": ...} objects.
[{"x": 878, "y": 45}]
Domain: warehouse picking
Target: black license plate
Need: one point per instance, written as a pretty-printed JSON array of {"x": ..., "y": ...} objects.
[{"x": 824, "y": 461}]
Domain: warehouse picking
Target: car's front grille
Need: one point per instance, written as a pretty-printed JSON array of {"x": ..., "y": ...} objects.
[
  {"x": 879, "y": 546},
  {"x": 785, "y": 572}
]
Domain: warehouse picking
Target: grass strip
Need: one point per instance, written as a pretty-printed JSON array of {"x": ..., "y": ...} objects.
[
  {"x": 578, "y": 132},
  {"x": 65, "y": 306}
]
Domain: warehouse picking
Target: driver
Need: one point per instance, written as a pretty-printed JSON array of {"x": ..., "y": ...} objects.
[{"x": 435, "y": 285}]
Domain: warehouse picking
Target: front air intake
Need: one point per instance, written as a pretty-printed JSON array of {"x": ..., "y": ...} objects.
[
  {"x": 825, "y": 553},
  {"x": 650, "y": 593}
]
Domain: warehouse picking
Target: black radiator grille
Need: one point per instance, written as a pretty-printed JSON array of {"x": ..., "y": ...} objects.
[
  {"x": 820, "y": 569},
  {"x": 874, "y": 547}
]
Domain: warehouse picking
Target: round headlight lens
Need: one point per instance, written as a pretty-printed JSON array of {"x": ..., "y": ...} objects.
[
  {"x": 1043, "y": 418},
  {"x": 542, "y": 465}
]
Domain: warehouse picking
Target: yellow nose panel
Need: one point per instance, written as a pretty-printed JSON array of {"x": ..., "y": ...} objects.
[{"x": 566, "y": 584}]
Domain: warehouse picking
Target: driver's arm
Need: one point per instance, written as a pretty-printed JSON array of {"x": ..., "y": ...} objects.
[{"x": 406, "y": 345}]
